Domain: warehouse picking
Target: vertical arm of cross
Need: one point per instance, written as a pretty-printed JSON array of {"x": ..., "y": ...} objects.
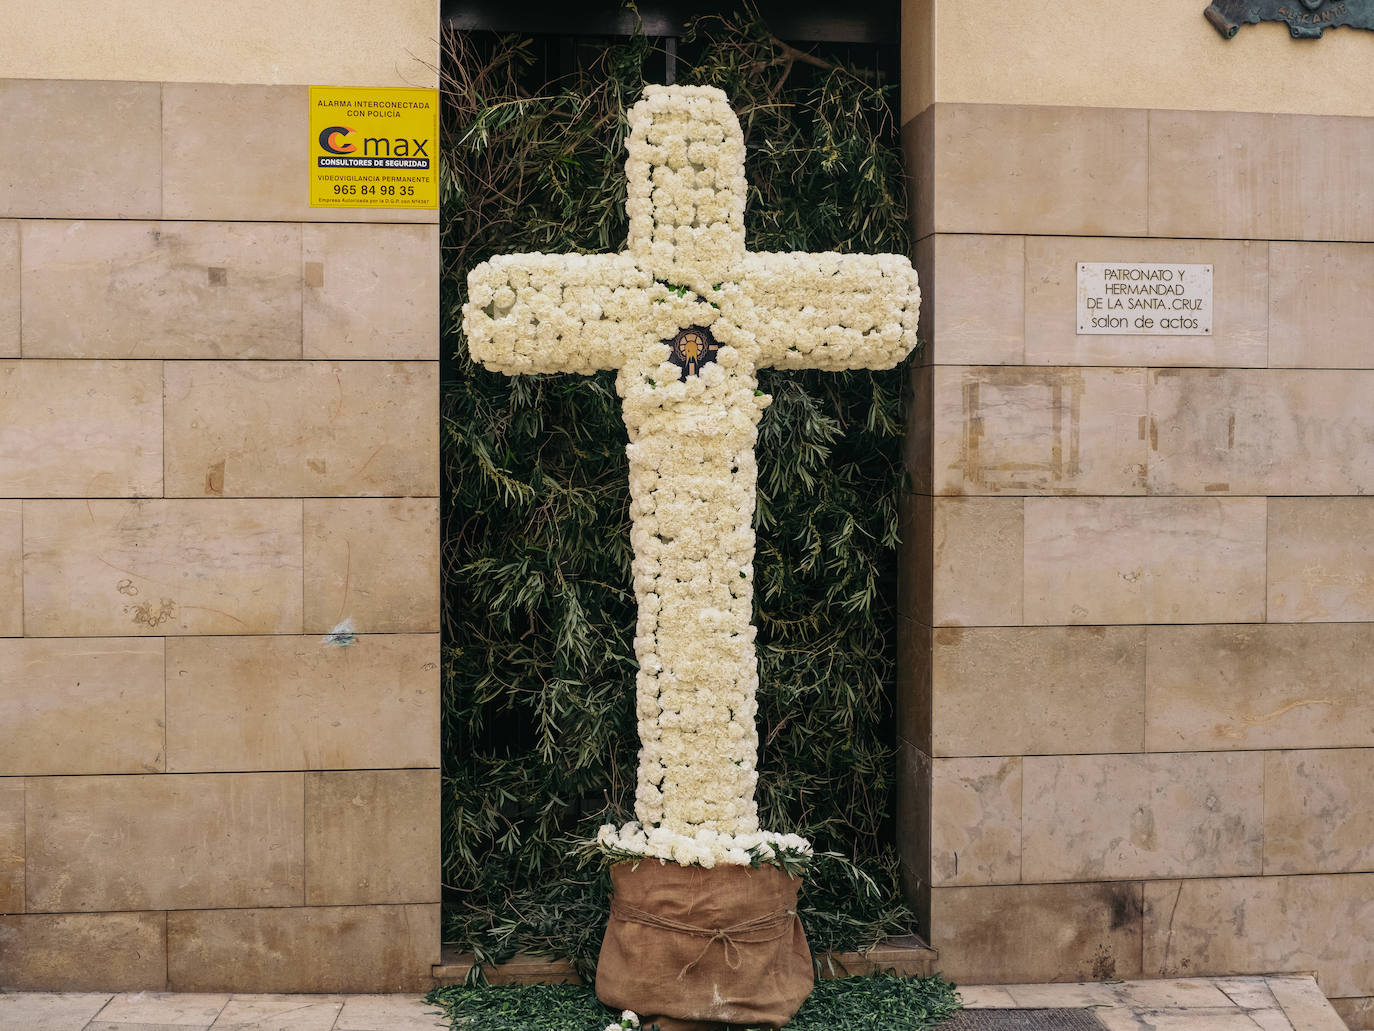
[
  {"x": 832, "y": 311},
  {"x": 554, "y": 312}
]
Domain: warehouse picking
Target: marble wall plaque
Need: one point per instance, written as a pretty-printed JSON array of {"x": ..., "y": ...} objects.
[{"x": 1144, "y": 298}]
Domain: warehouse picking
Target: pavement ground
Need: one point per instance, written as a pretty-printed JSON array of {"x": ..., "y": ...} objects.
[{"x": 1286, "y": 1003}]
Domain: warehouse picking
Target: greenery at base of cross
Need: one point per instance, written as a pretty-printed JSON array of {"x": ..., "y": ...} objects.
[
  {"x": 539, "y": 722},
  {"x": 882, "y": 1002}
]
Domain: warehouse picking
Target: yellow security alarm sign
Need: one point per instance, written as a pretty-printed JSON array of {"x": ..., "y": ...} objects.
[{"x": 374, "y": 148}]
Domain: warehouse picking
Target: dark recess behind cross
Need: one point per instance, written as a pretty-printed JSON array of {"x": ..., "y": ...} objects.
[{"x": 828, "y": 21}]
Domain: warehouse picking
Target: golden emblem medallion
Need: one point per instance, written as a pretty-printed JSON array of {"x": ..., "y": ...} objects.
[{"x": 692, "y": 348}]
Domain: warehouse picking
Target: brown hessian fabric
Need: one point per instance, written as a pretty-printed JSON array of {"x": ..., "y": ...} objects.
[{"x": 691, "y": 949}]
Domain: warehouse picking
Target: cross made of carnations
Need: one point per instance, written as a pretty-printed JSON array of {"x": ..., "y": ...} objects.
[{"x": 687, "y": 315}]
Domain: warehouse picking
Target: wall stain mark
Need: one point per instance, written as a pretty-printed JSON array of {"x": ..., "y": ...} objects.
[
  {"x": 1236, "y": 731},
  {"x": 1058, "y": 391},
  {"x": 152, "y": 614},
  {"x": 214, "y": 479}
]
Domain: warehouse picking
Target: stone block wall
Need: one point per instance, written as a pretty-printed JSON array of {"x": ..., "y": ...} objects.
[
  {"x": 1138, "y": 608},
  {"x": 218, "y": 440}
]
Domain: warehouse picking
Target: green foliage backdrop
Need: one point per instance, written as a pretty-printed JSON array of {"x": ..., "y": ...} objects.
[{"x": 539, "y": 669}]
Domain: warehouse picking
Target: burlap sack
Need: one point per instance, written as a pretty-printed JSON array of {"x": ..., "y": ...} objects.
[{"x": 691, "y": 949}]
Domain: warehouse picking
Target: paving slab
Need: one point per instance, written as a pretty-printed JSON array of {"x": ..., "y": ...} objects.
[
  {"x": 1057, "y": 996},
  {"x": 989, "y": 996},
  {"x": 1277, "y": 1003},
  {"x": 170, "y": 1008},
  {"x": 279, "y": 1013},
  {"x": 1274, "y": 1003},
  {"x": 1305, "y": 1005},
  {"x": 50, "y": 1011},
  {"x": 389, "y": 1013},
  {"x": 1250, "y": 993}
]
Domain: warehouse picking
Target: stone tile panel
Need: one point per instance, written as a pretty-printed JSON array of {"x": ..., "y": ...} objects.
[
  {"x": 117, "y": 952},
  {"x": 1144, "y": 560},
  {"x": 103, "y": 568},
  {"x": 50, "y": 1011},
  {"x": 1240, "y": 281},
  {"x": 1095, "y": 817},
  {"x": 293, "y": 703},
  {"x": 278, "y": 1013},
  {"x": 80, "y": 149},
  {"x": 1263, "y": 924},
  {"x": 1201, "y": 1019},
  {"x": 11, "y": 845},
  {"x": 1274, "y": 432},
  {"x": 1358, "y": 1013},
  {"x": 1051, "y": 996},
  {"x": 164, "y": 842},
  {"x": 163, "y": 1008},
  {"x": 81, "y": 705},
  {"x": 976, "y": 300},
  {"x": 1304, "y": 1004},
  {"x": 11, "y": 568},
  {"x": 998, "y": 933},
  {"x": 267, "y": 177},
  {"x": 1038, "y": 690},
  {"x": 1000, "y": 430},
  {"x": 976, "y": 821},
  {"x": 1250, "y": 993},
  {"x": 1321, "y": 560},
  {"x": 1177, "y": 993},
  {"x": 1317, "y": 812},
  {"x": 1212, "y": 688},
  {"x": 161, "y": 290},
  {"x": 1008, "y": 168},
  {"x": 302, "y": 429},
  {"x": 372, "y": 837},
  {"x": 9, "y": 289},
  {"x": 80, "y": 429},
  {"x": 398, "y": 1012},
  {"x": 319, "y": 949},
  {"x": 371, "y": 291},
  {"x": 1249, "y": 176},
  {"x": 985, "y": 997},
  {"x": 978, "y": 561},
  {"x": 1320, "y": 305},
  {"x": 375, "y": 562}
]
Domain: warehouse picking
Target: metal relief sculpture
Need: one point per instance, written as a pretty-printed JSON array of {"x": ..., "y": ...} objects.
[{"x": 1306, "y": 19}]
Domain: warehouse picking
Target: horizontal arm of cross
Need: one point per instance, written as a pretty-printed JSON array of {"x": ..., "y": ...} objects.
[
  {"x": 554, "y": 312},
  {"x": 832, "y": 311}
]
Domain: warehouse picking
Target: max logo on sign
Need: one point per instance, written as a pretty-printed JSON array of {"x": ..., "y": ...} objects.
[
  {"x": 327, "y": 140},
  {"x": 372, "y": 147}
]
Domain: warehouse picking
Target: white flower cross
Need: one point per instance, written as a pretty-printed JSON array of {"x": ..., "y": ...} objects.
[{"x": 687, "y": 316}]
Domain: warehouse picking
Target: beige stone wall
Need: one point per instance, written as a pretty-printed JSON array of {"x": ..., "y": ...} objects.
[
  {"x": 320, "y": 42},
  {"x": 1138, "y": 723},
  {"x": 219, "y": 439},
  {"x": 1103, "y": 53}
]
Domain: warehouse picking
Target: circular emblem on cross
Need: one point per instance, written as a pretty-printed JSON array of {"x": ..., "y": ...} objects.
[{"x": 692, "y": 348}]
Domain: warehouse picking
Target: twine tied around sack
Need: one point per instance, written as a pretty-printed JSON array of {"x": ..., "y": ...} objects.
[{"x": 778, "y": 921}]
